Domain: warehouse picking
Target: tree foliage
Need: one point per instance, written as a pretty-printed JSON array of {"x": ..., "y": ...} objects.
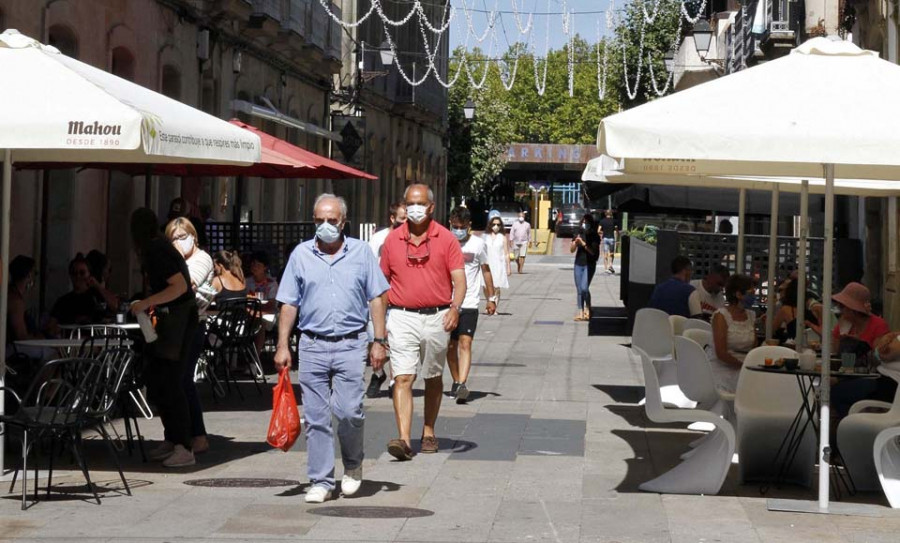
[{"x": 478, "y": 147}]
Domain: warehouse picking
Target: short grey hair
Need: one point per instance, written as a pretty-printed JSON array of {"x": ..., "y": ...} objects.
[
  {"x": 430, "y": 192},
  {"x": 329, "y": 196}
]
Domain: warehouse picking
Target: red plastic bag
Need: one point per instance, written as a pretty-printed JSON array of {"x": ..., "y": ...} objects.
[{"x": 284, "y": 428}]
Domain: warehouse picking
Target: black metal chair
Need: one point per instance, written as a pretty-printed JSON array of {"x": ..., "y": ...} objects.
[
  {"x": 55, "y": 408},
  {"x": 232, "y": 339}
]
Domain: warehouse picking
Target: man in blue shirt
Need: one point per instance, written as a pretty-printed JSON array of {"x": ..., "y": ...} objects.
[
  {"x": 676, "y": 295},
  {"x": 332, "y": 283}
]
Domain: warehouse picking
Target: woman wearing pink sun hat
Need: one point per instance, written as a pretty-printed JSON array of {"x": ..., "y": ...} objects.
[{"x": 858, "y": 331}]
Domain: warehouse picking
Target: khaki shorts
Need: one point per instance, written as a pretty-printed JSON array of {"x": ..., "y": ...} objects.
[{"x": 417, "y": 339}]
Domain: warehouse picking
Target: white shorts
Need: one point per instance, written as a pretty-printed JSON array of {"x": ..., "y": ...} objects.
[
  {"x": 415, "y": 338},
  {"x": 521, "y": 251}
]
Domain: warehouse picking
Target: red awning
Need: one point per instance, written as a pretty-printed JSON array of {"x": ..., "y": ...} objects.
[{"x": 324, "y": 168}]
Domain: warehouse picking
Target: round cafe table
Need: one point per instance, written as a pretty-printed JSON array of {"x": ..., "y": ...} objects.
[{"x": 806, "y": 418}]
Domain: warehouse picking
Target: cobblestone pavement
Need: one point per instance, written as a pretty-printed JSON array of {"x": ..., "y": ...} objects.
[{"x": 551, "y": 447}]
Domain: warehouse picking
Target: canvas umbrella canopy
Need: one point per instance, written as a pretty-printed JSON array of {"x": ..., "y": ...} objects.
[
  {"x": 826, "y": 111},
  {"x": 55, "y": 109}
]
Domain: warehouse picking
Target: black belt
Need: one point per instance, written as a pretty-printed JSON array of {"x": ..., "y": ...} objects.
[
  {"x": 422, "y": 310},
  {"x": 351, "y": 335}
]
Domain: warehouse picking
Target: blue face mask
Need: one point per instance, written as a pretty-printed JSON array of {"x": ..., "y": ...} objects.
[
  {"x": 327, "y": 232},
  {"x": 749, "y": 300},
  {"x": 460, "y": 233}
]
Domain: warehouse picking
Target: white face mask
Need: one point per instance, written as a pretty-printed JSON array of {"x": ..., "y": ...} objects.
[
  {"x": 496, "y": 228},
  {"x": 416, "y": 213},
  {"x": 327, "y": 232},
  {"x": 521, "y": 219},
  {"x": 185, "y": 245}
]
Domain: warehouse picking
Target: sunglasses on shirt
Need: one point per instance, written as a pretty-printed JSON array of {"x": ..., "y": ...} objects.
[{"x": 414, "y": 257}]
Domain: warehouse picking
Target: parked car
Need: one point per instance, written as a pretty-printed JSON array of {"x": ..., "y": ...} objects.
[
  {"x": 568, "y": 226},
  {"x": 509, "y": 212}
]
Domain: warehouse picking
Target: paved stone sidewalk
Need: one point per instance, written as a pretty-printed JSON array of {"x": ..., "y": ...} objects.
[{"x": 551, "y": 447}]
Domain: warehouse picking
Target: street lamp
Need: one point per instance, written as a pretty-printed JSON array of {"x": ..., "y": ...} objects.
[
  {"x": 702, "y": 36},
  {"x": 669, "y": 59},
  {"x": 469, "y": 109},
  {"x": 387, "y": 55}
]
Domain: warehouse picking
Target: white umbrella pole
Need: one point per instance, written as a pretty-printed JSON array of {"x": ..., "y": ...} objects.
[
  {"x": 773, "y": 259},
  {"x": 4, "y": 292},
  {"x": 742, "y": 204},
  {"x": 801, "y": 265},
  {"x": 825, "y": 385}
]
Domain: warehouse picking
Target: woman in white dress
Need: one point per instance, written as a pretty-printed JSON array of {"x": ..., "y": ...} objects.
[
  {"x": 734, "y": 332},
  {"x": 498, "y": 253}
]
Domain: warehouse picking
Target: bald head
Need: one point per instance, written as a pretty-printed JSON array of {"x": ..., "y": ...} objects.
[
  {"x": 333, "y": 206},
  {"x": 421, "y": 192}
]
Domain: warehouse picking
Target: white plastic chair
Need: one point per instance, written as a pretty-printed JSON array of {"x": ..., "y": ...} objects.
[
  {"x": 697, "y": 324},
  {"x": 705, "y": 469},
  {"x": 695, "y": 377},
  {"x": 653, "y": 334},
  {"x": 856, "y": 438},
  {"x": 702, "y": 337},
  {"x": 765, "y": 406},
  {"x": 887, "y": 463},
  {"x": 677, "y": 323}
]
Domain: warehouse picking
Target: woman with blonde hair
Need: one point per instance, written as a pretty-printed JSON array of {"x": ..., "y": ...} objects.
[{"x": 182, "y": 234}]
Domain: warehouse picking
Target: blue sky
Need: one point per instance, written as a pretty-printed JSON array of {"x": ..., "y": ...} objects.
[{"x": 584, "y": 21}]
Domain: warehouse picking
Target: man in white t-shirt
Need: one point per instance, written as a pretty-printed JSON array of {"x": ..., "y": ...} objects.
[
  {"x": 474, "y": 251},
  {"x": 398, "y": 217},
  {"x": 710, "y": 289},
  {"x": 376, "y": 241}
]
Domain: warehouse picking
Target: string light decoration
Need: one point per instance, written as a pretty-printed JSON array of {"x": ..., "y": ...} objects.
[{"x": 435, "y": 32}]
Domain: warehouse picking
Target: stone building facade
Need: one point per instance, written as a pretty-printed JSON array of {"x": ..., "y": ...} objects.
[
  {"x": 209, "y": 53},
  {"x": 405, "y": 138}
]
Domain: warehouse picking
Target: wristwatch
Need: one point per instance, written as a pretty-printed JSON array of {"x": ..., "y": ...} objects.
[
  {"x": 454, "y": 306},
  {"x": 381, "y": 340},
  {"x": 493, "y": 299}
]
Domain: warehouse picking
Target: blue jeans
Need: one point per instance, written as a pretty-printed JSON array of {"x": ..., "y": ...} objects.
[
  {"x": 331, "y": 378},
  {"x": 583, "y": 277}
]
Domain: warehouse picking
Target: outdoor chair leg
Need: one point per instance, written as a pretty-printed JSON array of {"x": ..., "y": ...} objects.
[
  {"x": 79, "y": 457},
  {"x": 251, "y": 364},
  {"x": 112, "y": 452},
  {"x": 24, "y": 470},
  {"x": 49, "y": 468}
]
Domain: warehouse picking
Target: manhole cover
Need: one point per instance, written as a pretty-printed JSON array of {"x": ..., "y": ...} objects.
[
  {"x": 550, "y": 323},
  {"x": 352, "y": 511},
  {"x": 241, "y": 482}
]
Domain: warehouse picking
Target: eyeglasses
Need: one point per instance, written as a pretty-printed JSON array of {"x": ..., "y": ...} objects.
[
  {"x": 181, "y": 237},
  {"x": 413, "y": 253}
]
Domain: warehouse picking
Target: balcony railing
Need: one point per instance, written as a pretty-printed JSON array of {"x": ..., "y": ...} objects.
[{"x": 740, "y": 45}]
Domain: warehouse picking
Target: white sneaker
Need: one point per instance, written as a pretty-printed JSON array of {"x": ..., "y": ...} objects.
[
  {"x": 351, "y": 481},
  {"x": 161, "y": 451},
  {"x": 179, "y": 458},
  {"x": 317, "y": 494}
]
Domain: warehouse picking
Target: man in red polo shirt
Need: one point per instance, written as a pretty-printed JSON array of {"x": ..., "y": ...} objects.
[{"x": 424, "y": 266}]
